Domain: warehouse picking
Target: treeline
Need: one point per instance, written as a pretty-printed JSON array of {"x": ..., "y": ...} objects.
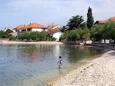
[
  {"x": 106, "y": 31},
  {"x": 5, "y": 34},
  {"x": 96, "y": 33},
  {"x": 77, "y": 34},
  {"x": 27, "y": 36},
  {"x": 78, "y": 29},
  {"x": 35, "y": 36}
]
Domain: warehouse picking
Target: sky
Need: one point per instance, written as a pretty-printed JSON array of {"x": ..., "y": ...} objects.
[{"x": 46, "y": 12}]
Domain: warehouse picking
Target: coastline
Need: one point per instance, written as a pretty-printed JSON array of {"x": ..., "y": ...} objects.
[
  {"x": 99, "y": 72},
  {"x": 28, "y": 43},
  {"x": 104, "y": 47}
]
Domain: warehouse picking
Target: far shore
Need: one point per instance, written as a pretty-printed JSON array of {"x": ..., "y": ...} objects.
[
  {"x": 104, "y": 47},
  {"x": 99, "y": 72},
  {"x": 22, "y": 42}
]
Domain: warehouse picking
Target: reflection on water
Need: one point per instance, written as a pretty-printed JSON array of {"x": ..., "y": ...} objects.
[{"x": 34, "y": 65}]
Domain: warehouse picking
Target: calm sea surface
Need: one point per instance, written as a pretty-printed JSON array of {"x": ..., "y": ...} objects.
[{"x": 35, "y": 65}]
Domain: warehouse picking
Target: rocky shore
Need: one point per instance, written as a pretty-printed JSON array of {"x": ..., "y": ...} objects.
[{"x": 100, "y": 72}]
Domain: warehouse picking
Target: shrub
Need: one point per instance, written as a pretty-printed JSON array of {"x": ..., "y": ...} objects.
[
  {"x": 77, "y": 34},
  {"x": 35, "y": 36}
]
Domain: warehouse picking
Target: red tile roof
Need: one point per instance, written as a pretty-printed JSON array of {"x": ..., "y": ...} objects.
[
  {"x": 53, "y": 28},
  {"x": 30, "y": 26},
  {"x": 35, "y": 25},
  {"x": 105, "y": 21},
  {"x": 21, "y": 27},
  {"x": 112, "y": 18}
]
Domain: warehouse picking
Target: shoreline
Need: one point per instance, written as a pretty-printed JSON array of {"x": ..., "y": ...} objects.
[
  {"x": 5, "y": 42},
  {"x": 99, "y": 72},
  {"x": 104, "y": 47}
]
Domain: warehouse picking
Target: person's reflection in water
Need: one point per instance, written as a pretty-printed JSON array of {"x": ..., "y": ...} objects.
[
  {"x": 60, "y": 72},
  {"x": 60, "y": 66}
]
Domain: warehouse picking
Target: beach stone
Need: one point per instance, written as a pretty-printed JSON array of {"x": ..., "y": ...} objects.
[{"x": 100, "y": 72}]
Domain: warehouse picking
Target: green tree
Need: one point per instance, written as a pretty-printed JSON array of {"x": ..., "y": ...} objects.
[
  {"x": 113, "y": 34},
  {"x": 90, "y": 20},
  {"x": 97, "y": 32},
  {"x": 85, "y": 34},
  {"x": 5, "y": 34},
  {"x": 2, "y": 34},
  {"x": 8, "y": 31},
  {"x": 75, "y": 22},
  {"x": 35, "y": 36},
  {"x": 110, "y": 30},
  {"x": 77, "y": 34}
]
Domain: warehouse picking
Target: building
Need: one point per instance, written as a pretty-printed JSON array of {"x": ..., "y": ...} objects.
[
  {"x": 57, "y": 35},
  {"x": 30, "y": 27},
  {"x": 105, "y": 21},
  {"x": 53, "y": 30}
]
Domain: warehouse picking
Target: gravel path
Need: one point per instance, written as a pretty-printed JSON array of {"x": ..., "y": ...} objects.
[{"x": 100, "y": 72}]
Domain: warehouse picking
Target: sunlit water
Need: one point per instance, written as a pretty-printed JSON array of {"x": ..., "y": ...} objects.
[{"x": 35, "y": 65}]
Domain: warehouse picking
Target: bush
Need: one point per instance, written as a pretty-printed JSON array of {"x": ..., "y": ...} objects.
[
  {"x": 5, "y": 34},
  {"x": 85, "y": 34},
  {"x": 99, "y": 32},
  {"x": 77, "y": 34},
  {"x": 35, "y": 36},
  {"x": 2, "y": 34},
  {"x": 96, "y": 32}
]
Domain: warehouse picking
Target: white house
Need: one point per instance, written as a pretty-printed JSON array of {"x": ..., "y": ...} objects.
[
  {"x": 39, "y": 30},
  {"x": 31, "y": 27},
  {"x": 57, "y": 35},
  {"x": 53, "y": 30}
]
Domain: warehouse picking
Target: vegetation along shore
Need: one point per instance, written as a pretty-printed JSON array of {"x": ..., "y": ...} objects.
[{"x": 76, "y": 30}]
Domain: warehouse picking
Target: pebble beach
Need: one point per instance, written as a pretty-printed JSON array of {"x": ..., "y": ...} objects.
[{"x": 99, "y": 72}]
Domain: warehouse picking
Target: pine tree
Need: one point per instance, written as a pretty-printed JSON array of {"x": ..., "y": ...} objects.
[{"x": 90, "y": 20}]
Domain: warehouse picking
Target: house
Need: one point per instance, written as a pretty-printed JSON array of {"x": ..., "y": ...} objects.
[
  {"x": 37, "y": 27},
  {"x": 53, "y": 30},
  {"x": 57, "y": 35},
  {"x": 105, "y": 21},
  {"x": 30, "y": 27}
]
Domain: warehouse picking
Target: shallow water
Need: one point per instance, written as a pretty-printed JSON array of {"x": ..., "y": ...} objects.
[{"x": 35, "y": 65}]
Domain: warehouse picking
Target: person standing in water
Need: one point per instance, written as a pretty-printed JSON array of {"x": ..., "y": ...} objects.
[{"x": 60, "y": 62}]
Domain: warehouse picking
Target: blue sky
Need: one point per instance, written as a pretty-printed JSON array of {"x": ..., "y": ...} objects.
[{"x": 16, "y": 12}]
